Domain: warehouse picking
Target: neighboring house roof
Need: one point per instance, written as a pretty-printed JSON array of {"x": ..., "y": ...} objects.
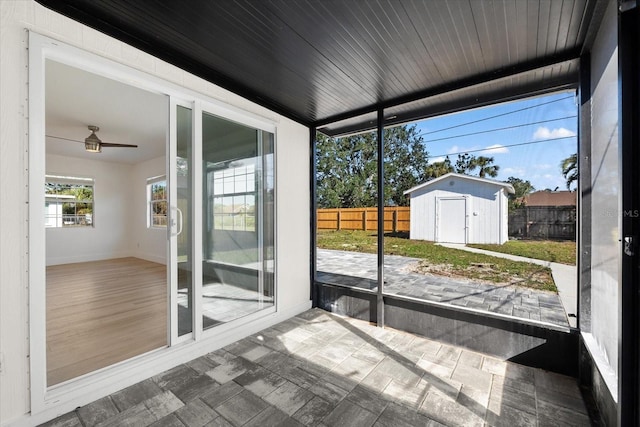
[
  {"x": 450, "y": 175},
  {"x": 551, "y": 198}
]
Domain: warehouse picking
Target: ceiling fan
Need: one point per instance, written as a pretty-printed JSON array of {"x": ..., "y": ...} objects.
[{"x": 92, "y": 143}]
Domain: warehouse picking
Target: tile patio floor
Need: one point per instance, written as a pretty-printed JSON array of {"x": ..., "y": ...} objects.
[
  {"x": 360, "y": 270},
  {"x": 319, "y": 369}
]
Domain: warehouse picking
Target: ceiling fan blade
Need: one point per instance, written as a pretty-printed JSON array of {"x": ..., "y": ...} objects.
[
  {"x": 111, "y": 144},
  {"x": 103, "y": 144},
  {"x": 65, "y": 139}
]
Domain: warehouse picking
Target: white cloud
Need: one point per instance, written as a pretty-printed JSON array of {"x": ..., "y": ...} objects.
[
  {"x": 514, "y": 171},
  {"x": 543, "y": 166},
  {"x": 495, "y": 149},
  {"x": 436, "y": 159},
  {"x": 545, "y": 133},
  {"x": 454, "y": 149}
]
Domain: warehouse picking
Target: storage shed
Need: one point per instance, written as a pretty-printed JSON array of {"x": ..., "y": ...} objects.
[{"x": 456, "y": 208}]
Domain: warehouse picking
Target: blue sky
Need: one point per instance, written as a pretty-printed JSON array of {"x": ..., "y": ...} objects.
[{"x": 538, "y": 162}]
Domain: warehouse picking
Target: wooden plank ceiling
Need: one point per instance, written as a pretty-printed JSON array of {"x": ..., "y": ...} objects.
[{"x": 321, "y": 61}]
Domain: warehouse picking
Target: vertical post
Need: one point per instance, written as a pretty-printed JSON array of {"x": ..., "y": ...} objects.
[
  {"x": 339, "y": 219},
  {"x": 395, "y": 220},
  {"x": 364, "y": 219},
  {"x": 380, "y": 140},
  {"x": 314, "y": 294},
  {"x": 628, "y": 286}
]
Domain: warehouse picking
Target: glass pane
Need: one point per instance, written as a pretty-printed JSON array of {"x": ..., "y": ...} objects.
[
  {"x": 237, "y": 220},
  {"x": 68, "y": 204},
  {"x": 485, "y": 184},
  {"x": 185, "y": 260},
  {"x": 347, "y": 217}
]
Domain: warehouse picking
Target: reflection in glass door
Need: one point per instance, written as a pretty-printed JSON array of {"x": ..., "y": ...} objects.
[
  {"x": 184, "y": 171},
  {"x": 237, "y": 220}
]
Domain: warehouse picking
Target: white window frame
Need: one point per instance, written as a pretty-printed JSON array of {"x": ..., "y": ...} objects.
[
  {"x": 221, "y": 223},
  {"x": 59, "y": 221},
  {"x": 150, "y": 201}
]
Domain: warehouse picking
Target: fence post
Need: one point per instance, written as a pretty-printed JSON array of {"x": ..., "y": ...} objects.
[
  {"x": 395, "y": 220},
  {"x": 364, "y": 219},
  {"x": 339, "y": 220}
]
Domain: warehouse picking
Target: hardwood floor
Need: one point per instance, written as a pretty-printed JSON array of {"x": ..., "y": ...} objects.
[{"x": 103, "y": 312}]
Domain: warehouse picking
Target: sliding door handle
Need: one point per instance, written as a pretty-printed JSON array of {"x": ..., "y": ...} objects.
[{"x": 180, "y": 219}]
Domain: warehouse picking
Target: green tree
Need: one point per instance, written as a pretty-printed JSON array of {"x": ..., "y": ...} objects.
[
  {"x": 569, "y": 168},
  {"x": 405, "y": 157},
  {"x": 522, "y": 188},
  {"x": 346, "y": 168},
  {"x": 466, "y": 164},
  {"x": 486, "y": 167},
  {"x": 437, "y": 169},
  {"x": 346, "y": 171}
]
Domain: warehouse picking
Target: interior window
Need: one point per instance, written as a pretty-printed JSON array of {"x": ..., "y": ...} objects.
[
  {"x": 68, "y": 201},
  {"x": 157, "y": 202},
  {"x": 234, "y": 198}
]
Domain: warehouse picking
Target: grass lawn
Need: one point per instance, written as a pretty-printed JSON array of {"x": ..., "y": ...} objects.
[
  {"x": 547, "y": 250},
  {"x": 441, "y": 260}
]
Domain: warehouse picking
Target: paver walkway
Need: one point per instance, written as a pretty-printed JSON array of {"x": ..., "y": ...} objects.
[
  {"x": 319, "y": 369},
  {"x": 360, "y": 270},
  {"x": 565, "y": 277}
]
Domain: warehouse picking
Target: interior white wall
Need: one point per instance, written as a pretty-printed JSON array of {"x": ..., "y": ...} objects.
[
  {"x": 605, "y": 196},
  {"x": 292, "y": 194},
  {"x": 110, "y": 235},
  {"x": 146, "y": 243}
]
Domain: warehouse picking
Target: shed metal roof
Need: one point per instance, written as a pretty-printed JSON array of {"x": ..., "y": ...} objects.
[
  {"x": 321, "y": 61},
  {"x": 453, "y": 175}
]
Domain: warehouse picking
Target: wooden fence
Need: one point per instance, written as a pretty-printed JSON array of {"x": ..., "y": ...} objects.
[
  {"x": 396, "y": 218},
  {"x": 543, "y": 222},
  {"x": 531, "y": 222}
]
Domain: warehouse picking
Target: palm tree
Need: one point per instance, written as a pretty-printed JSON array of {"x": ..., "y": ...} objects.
[
  {"x": 485, "y": 167},
  {"x": 569, "y": 168},
  {"x": 437, "y": 169}
]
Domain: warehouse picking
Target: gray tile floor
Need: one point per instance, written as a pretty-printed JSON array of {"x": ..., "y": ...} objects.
[
  {"x": 319, "y": 369},
  {"x": 360, "y": 270}
]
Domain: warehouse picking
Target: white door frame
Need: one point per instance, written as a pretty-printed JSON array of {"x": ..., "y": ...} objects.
[{"x": 47, "y": 402}]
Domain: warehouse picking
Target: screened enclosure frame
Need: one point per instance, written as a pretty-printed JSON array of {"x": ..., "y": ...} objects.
[{"x": 380, "y": 293}]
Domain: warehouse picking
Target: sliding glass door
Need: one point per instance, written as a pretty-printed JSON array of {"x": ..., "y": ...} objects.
[
  {"x": 237, "y": 220},
  {"x": 183, "y": 219},
  {"x": 222, "y": 220}
]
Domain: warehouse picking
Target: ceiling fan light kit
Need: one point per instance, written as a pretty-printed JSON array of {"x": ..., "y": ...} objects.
[{"x": 92, "y": 143}]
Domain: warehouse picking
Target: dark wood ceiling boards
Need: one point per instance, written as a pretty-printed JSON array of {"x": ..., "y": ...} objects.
[{"x": 319, "y": 60}]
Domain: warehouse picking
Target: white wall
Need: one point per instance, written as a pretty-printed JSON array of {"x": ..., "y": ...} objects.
[
  {"x": 110, "y": 236},
  {"x": 292, "y": 192},
  {"x": 293, "y": 214},
  {"x": 486, "y": 201},
  {"x": 14, "y": 244},
  {"x": 146, "y": 243},
  {"x": 605, "y": 196},
  {"x": 120, "y": 213}
]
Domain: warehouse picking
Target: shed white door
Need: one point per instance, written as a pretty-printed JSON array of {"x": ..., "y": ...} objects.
[{"x": 452, "y": 220}]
